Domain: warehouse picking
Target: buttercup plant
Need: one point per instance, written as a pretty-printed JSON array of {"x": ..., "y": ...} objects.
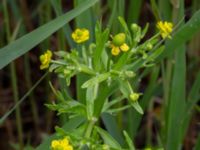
[{"x": 111, "y": 67}]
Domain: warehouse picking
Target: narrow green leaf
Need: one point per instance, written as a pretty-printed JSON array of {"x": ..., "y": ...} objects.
[
  {"x": 91, "y": 94},
  {"x": 109, "y": 140},
  {"x": 112, "y": 127},
  {"x": 129, "y": 141},
  {"x": 137, "y": 107},
  {"x": 101, "y": 39}
]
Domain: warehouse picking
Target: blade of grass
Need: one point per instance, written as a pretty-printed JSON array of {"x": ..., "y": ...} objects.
[
  {"x": 165, "y": 10},
  {"x": 177, "y": 93},
  {"x": 25, "y": 43},
  {"x": 136, "y": 6},
  {"x": 192, "y": 99}
]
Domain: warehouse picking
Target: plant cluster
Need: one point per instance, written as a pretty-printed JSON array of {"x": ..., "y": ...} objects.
[{"x": 110, "y": 64}]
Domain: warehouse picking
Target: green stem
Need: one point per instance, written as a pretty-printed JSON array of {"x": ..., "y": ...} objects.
[
  {"x": 29, "y": 84},
  {"x": 90, "y": 127},
  {"x": 129, "y": 86},
  {"x": 13, "y": 80},
  {"x": 16, "y": 98}
]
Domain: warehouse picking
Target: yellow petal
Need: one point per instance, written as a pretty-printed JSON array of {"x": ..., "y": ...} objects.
[
  {"x": 124, "y": 47},
  {"x": 115, "y": 51}
]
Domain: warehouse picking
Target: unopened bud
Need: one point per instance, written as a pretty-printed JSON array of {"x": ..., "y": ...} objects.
[
  {"x": 134, "y": 27},
  {"x": 134, "y": 96},
  {"x": 149, "y": 46},
  {"x": 119, "y": 39}
]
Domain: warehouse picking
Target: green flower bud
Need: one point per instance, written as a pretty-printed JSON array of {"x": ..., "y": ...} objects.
[
  {"x": 149, "y": 46},
  {"x": 119, "y": 39},
  {"x": 134, "y": 96},
  {"x": 134, "y": 27}
]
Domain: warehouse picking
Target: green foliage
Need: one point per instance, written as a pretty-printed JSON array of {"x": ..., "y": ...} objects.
[{"x": 104, "y": 81}]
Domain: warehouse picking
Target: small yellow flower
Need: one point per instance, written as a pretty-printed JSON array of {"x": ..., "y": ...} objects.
[
  {"x": 62, "y": 144},
  {"x": 45, "y": 59},
  {"x": 134, "y": 96},
  {"x": 118, "y": 44},
  {"x": 165, "y": 29},
  {"x": 80, "y": 35}
]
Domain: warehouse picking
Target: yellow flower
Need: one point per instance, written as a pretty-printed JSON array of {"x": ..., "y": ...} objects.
[
  {"x": 118, "y": 44},
  {"x": 45, "y": 59},
  {"x": 62, "y": 144},
  {"x": 165, "y": 29},
  {"x": 80, "y": 35},
  {"x": 134, "y": 96}
]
